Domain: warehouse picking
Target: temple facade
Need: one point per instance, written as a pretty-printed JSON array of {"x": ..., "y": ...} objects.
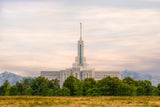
[{"x": 80, "y": 69}]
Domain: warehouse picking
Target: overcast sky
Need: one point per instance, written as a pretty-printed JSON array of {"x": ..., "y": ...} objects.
[{"x": 38, "y": 35}]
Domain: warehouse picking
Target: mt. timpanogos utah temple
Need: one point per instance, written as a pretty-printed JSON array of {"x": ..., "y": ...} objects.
[{"x": 80, "y": 69}]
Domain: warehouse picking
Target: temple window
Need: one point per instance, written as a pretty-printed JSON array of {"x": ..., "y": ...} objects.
[
  {"x": 64, "y": 76},
  {"x": 76, "y": 75}
]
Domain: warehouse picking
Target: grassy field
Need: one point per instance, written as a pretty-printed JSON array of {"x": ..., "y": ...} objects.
[{"x": 37, "y": 101}]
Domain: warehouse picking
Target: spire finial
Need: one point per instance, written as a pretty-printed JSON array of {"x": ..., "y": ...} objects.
[{"x": 80, "y": 31}]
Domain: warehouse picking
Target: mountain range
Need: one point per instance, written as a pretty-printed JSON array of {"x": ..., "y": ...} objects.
[
  {"x": 13, "y": 78},
  {"x": 155, "y": 80}
]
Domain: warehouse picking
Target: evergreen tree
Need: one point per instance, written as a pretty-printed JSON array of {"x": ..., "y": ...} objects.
[
  {"x": 27, "y": 82},
  {"x": 28, "y": 91},
  {"x": 5, "y": 88},
  {"x": 13, "y": 91},
  {"x": 20, "y": 88},
  {"x": 37, "y": 84}
]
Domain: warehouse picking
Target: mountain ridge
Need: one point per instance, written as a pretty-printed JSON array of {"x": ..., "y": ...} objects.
[
  {"x": 11, "y": 77},
  {"x": 155, "y": 80}
]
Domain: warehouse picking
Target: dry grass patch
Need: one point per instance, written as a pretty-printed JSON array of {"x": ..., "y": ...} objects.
[{"x": 112, "y": 101}]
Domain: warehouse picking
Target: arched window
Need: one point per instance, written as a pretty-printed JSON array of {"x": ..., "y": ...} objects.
[
  {"x": 64, "y": 76},
  {"x": 76, "y": 75}
]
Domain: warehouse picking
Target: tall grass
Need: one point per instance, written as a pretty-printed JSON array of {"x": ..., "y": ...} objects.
[{"x": 112, "y": 101}]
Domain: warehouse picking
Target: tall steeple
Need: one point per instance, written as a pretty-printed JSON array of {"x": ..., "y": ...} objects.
[
  {"x": 80, "y": 31},
  {"x": 80, "y": 60},
  {"x": 80, "y": 47}
]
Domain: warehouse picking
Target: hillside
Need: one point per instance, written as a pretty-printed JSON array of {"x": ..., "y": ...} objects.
[
  {"x": 140, "y": 76},
  {"x": 11, "y": 77}
]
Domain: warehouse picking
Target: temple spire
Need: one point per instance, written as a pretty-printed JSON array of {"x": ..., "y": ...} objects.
[{"x": 80, "y": 31}]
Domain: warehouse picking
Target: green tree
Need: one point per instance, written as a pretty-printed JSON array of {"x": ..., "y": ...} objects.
[
  {"x": 13, "y": 91},
  {"x": 27, "y": 82},
  {"x": 5, "y": 88},
  {"x": 1, "y": 90},
  {"x": 78, "y": 88},
  {"x": 158, "y": 86},
  {"x": 147, "y": 86},
  {"x": 37, "y": 83},
  {"x": 45, "y": 90},
  {"x": 28, "y": 91},
  {"x": 74, "y": 85},
  {"x": 64, "y": 91},
  {"x": 5, "y": 84},
  {"x": 50, "y": 92},
  {"x": 129, "y": 81},
  {"x": 88, "y": 83},
  {"x": 109, "y": 86},
  {"x": 124, "y": 90},
  {"x": 113, "y": 86},
  {"x": 155, "y": 91},
  {"x": 140, "y": 91},
  {"x": 93, "y": 92},
  {"x": 20, "y": 88},
  {"x": 53, "y": 84}
]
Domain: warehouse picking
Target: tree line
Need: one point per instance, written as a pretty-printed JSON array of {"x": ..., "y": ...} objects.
[{"x": 108, "y": 86}]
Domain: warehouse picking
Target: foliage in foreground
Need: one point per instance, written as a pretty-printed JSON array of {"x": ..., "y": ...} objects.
[{"x": 108, "y": 86}]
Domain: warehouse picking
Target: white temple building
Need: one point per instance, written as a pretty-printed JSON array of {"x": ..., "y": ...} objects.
[{"x": 80, "y": 69}]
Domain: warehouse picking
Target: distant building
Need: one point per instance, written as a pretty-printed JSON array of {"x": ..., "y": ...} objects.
[{"x": 80, "y": 69}]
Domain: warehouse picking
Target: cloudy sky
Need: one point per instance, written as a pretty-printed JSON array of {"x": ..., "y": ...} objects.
[{"x": 38, "y": 35}]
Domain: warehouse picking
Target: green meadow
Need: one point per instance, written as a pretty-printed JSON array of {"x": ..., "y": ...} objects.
[{"x": 112, "y": 101}]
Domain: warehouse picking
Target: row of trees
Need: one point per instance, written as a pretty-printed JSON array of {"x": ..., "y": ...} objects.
[{"x": 109, "y": 86}]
